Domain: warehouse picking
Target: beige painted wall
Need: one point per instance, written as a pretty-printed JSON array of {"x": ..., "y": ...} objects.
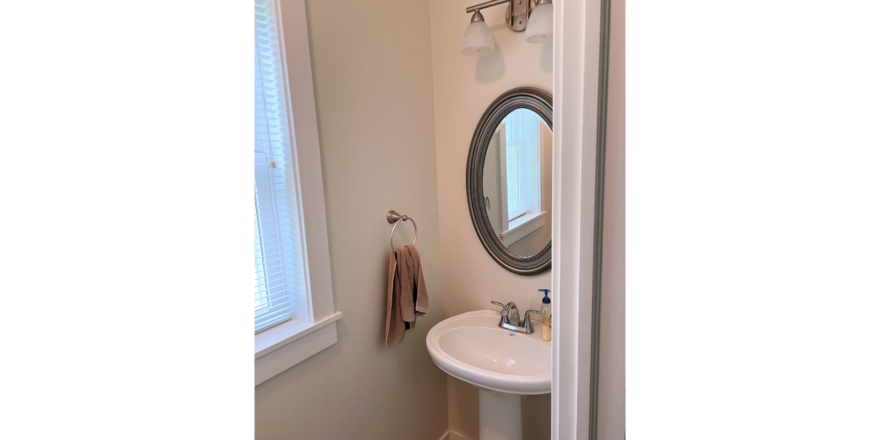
[
  {"x": 374, "y": 98},
  {"x": 463, "y": 88},
  {"x": 492, "y": 182},
  {"x": 612, "y": 390}
]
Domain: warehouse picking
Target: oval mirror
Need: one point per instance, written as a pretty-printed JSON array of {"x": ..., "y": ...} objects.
[{"x": 509, "y": 177}]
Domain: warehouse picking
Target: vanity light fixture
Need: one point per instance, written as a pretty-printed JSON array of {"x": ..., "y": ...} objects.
[
  {"x": 540, "y": 23},
  {"x": 478, "y": 41}
]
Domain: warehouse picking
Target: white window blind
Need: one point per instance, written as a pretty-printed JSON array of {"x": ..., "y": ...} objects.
[
  {"x": 278, "y": 257},
  {"x": 523, "y": 176}
]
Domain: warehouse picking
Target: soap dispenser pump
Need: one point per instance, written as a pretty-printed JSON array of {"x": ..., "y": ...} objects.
[{"x": 546, "y": 315}]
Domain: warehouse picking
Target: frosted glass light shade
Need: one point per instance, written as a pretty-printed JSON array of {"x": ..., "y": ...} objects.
[
  {"x": 477, "y": 41},
  {"x": 540, "y": 27}
]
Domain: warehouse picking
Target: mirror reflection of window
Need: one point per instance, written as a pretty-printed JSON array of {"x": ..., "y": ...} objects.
[
  {"x": 516, "y": 175},
  {"x": 523, "y": 163}
]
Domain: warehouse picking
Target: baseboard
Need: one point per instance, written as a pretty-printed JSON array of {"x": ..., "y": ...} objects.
[{"x": 452, "y": 435}]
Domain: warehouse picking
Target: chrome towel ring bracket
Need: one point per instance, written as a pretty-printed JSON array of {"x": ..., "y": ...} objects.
[{"x": 394, "y": 217}]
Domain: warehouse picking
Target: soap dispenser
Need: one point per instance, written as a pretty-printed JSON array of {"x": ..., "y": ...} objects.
[{"x": 546, "y": 315}]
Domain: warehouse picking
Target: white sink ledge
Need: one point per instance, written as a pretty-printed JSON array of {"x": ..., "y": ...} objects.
[{"x": 472, "y": 347}]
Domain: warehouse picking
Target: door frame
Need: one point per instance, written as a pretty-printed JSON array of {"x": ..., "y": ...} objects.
[{"x": 580, "y": 90}]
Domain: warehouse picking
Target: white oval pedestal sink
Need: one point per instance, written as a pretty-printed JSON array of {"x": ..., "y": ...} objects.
[{"x": 502, "y": 364}]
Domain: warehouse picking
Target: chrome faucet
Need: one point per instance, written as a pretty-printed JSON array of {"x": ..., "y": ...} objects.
[{"x": 510, "y": 318}]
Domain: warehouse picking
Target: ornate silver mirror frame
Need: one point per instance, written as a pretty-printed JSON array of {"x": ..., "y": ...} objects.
[{"x": 529, "y": 98}]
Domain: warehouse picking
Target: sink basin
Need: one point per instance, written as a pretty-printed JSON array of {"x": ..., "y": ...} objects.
[{"x": 472, "y": 347}]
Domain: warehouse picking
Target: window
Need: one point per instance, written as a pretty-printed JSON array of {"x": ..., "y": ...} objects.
[
  {"x": 523, "y": 160},
  {"x": 520, "y": 137},
  {"x": 294, "y": 316},
  {"x": 278, "y": 255}
]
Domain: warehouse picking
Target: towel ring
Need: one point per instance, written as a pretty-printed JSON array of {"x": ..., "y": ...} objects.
[{"x": 394, "y": 217}]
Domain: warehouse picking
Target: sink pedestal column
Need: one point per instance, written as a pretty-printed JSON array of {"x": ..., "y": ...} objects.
[{"x": 500, "y": 416}]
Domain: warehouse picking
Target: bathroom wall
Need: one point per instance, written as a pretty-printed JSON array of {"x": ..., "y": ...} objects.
[
  {"x": 374, "y": 98},
  {"x": 463, "y": 88},
  {"x": 612, "y": 391}
]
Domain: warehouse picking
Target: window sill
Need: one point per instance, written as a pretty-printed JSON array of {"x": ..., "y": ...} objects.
[
  {"x": 288, "y": 344},
  {"x": 522, "y": 226}
]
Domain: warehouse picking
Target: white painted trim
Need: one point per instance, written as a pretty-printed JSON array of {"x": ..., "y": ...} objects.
[
  {"x": 279, "y": 348},
  {"x": 502, "y": 173},
  {"x": 537, "y": 191},
  {"x": 307, "y": 152},
  {"x": 522, "y": 226},
  {"x": 279, "y": 336},
  {"x": 575, "y": 115}
]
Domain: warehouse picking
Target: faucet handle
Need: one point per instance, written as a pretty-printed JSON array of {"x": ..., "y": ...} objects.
[
  {"x": 527, "y": 323},
  {"x": 503, "y": 308},
  {"x": 526, "y": 316}
]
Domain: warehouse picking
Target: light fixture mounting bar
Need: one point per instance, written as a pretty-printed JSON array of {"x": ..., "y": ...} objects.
[
  {"x": 517, "y": 14},
  {"x": 487, "y": 4}
]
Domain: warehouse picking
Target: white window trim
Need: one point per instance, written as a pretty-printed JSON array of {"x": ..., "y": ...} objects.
[
  {"x": 285, "y": 345},
  {"x": 516, "y": 229},
  {"x": 502, "y": 173},
  {"x": 522, "y": 226}
]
